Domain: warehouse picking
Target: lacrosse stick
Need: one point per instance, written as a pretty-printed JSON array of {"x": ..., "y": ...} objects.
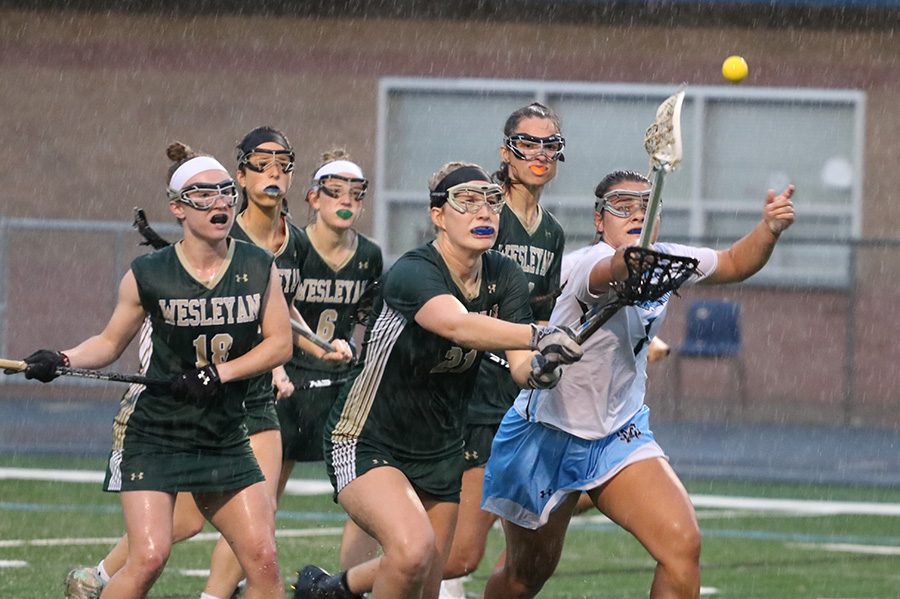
[
  {"x": 366, "y": 302},
  {"x": 662, "y": 141},
  {"x": 151, "y": 237},
  {"x": 321, "y": 383},
  {"x": 304, "y": 331},
  {"x": 115, "y": 377},
  {"x": 651, "y": 274}
]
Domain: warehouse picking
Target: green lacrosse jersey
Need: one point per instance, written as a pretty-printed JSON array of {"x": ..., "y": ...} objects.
[
  {"x": 287, "y": 257},
  {"x": 194, "y": 323},
  {"x": 327, "y": 297},
  {"x": 411, "y": 385},
  {"x": 538, "y": 252},
  {"x": 287, "y": 261}
]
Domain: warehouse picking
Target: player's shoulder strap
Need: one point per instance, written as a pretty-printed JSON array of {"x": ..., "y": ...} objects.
[{"x": 300, "y": 240}]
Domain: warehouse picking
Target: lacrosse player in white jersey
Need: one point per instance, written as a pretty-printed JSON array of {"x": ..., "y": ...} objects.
[{"x": 591, "y": 432}]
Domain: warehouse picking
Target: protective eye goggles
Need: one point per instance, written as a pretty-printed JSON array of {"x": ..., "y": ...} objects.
[
  {"x": 334, "y": 186},
  {"x": 203, "y": 196},
  {"x": 623, "y": 202},
  {"x": 471, "y": 197},
  {"x": 529, "y": 147},
  {"x": 260, "y": 160}
]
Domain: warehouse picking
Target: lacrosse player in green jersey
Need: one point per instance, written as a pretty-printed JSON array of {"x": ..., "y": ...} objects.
[
  {"x": 532, "y": 148},
  {"x": 337, "y": 264},
  {"x": 265, "y": 164},
  {"x": 265, "y": 173},
  {"x": 394, "y": 439},
  {"x": 216, "y": 319}
]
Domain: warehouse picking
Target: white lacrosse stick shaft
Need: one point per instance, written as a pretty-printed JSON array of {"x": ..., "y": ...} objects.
[{"x": 663, "y": 143}]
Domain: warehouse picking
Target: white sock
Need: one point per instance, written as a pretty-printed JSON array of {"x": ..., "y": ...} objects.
[
  {"x": 207, "y": 596},
  {"x": 101, "y": 570}
]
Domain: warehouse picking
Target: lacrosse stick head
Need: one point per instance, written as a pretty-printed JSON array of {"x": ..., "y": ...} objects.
[
  {"x": 367, "y": 302},
  {"x": 652, "y": 274},
  {"x": 662, "y": 141}
]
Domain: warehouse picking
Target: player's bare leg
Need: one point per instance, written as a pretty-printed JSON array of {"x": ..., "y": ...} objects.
[
  {"x": 647, "y": 499},
  {"x": 472, "y": 527},
  {"x": 225, "y": 571},
  {"x": 357, "y": 546},
  {"x": 247, "y": 522},
  {"x": 188, "y": 521},
  {"x": 399, "y": 520},
  {"x": 443, "y": 516},
  {"x": 148, "y": 523},
  {"x": 531, "y": 555}
]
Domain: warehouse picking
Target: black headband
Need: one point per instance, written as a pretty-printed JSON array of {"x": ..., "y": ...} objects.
[
  {"x": 463, "y": 174},
  {"x": 259, "y": 136}
]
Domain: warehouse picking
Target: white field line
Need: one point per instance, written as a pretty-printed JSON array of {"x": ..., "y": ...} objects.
[
  {"x": 797, "y": 506},
  {"x": 293, "y": 487},
  {"x": 756, "y": 504},
  {"x": 850, "y": 548},
  {"x": 12, "y": 563},
  {"x": 67, "y": 476},
  {"x": 292, "y": 533}
]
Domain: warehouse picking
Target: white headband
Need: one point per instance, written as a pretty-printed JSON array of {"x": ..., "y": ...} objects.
[
  {"x": 193, "y": 166},
  {"x": 339, "y": 166}
]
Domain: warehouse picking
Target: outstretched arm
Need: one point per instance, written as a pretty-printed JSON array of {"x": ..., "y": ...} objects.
[
  {"x": 104, "y": 349},
  {"x": 445, "y": 315},
  {"x": 750, "y": 253}
]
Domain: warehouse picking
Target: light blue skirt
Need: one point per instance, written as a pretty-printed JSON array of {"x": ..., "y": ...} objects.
[{"x": 533, "y": 467}]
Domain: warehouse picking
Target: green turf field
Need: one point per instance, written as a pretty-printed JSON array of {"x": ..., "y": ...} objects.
[{"x": 48, "y": 527}]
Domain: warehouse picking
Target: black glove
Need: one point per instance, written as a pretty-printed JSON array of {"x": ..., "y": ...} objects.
[
  {"x": 42, "y": 365},
  {"x": 197, "y": 386},
  {"x": 544, "y": 373},
  {"x": 556, "y": 344}
]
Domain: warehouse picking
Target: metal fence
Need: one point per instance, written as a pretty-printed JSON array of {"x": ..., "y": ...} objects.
[{"x": 810, "y": 354}]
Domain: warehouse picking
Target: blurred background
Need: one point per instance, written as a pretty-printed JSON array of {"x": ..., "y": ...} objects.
[{"x": 93, "y": 92}]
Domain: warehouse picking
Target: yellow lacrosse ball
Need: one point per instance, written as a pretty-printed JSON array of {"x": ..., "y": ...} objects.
[{"x": 735, "y": 69}]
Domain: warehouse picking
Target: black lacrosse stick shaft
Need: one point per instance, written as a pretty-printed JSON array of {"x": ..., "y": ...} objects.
[
  {"x": 114, "y": 377},
  {"x": 151, "y": 237}
]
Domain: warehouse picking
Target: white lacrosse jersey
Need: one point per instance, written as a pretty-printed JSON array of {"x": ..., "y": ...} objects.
[{"x": 600, "y": 393}]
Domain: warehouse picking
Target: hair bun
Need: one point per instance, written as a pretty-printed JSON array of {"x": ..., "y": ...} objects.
[
  {"x": 178, "y": 151},
  {"x": 335, "y": 154}
]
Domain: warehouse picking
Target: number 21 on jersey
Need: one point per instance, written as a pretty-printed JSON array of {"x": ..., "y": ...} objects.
[{"x": 456, "y": 361}]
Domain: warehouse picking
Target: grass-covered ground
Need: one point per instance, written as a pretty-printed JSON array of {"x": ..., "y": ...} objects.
[{"x": 48, "y": 527}]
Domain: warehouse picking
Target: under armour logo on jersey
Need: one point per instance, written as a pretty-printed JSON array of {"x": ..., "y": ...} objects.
[
  {"x": 137, "y": 476},
  {"x": 364, "y": 264},
  {"x": 492, "y": 287},
  {"x": 471, "y": 455},
  {"x": 242, "y": 278}
]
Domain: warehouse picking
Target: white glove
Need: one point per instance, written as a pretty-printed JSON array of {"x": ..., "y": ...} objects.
[
  {"x": 544, "y": 373},
  {"x": 556, "y": 344}
]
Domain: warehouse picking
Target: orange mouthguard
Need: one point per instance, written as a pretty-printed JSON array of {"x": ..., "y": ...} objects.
[{"x": 539, "y": 169}]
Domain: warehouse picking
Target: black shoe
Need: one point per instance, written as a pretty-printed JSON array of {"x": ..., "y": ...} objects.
[{"x": 315, "y": 583}]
